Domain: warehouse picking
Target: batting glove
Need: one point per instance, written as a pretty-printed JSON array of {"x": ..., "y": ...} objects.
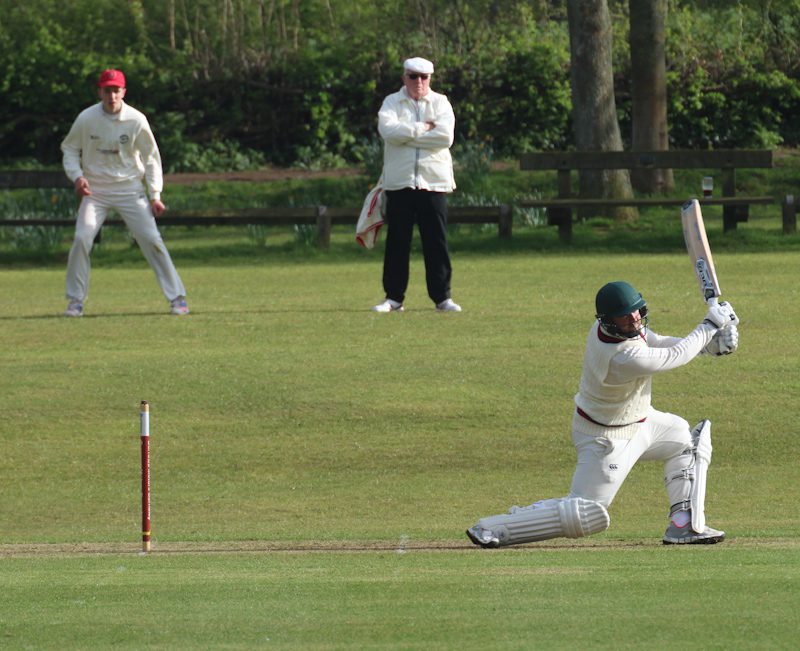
[
  {"x": 721, "y": 315},
  {"x": 724, "y": 342}
]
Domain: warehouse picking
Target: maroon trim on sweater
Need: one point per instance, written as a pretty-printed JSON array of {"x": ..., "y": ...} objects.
[
  {"x": 592, "y": 420},
  {"x": 608, "y": 339}
]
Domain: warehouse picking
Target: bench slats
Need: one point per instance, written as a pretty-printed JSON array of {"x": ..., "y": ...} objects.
[
  {"x": 612, "y": 203},
  {"x": 677, "y": 159},
  {"x": 21, "y": 179},
  {"x": 735, "y": 209},
  {"x": 320, "y": 216}
]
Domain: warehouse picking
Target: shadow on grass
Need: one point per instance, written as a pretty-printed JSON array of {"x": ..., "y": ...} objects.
[
  {"x": 23, "y": 550},
  {"x": 231, "y": 247},
  {"x": 57, "y": 315}
]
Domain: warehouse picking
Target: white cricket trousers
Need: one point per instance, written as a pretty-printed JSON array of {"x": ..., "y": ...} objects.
[
  {"x": 138, "y": 217},
  {"x": 604, "y": 463}
]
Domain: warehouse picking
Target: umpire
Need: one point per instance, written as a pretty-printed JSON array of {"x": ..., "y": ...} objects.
[{"x": 417, "y": 127}]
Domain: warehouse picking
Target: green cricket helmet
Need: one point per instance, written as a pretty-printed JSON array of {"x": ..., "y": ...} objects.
[{"x": 616, "y": 299}]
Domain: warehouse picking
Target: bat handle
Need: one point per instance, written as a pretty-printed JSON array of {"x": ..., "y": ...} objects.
[{"x": 713, "y": 300}]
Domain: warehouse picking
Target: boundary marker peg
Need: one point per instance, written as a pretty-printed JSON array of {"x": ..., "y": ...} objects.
[{"x": 144, "y": 422}]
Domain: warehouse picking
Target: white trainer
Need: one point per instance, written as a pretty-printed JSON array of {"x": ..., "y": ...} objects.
[
  {"x": 178, "y": 306},
  {"x": 448, "y": 305},
  {"x": 675, "y": 535},
  {"x": 388, "y": 306},
  {"x": 75, "y": 308}
]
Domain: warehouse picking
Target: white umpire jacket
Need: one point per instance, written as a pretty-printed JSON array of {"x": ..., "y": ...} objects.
[{"x": 413, "y": 157}]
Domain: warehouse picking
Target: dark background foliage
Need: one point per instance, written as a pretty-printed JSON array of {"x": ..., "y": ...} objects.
[{"x": 232, "y": 84}]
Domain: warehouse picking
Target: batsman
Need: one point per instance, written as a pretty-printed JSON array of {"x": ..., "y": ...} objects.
[{"x": 614, "y": 426}]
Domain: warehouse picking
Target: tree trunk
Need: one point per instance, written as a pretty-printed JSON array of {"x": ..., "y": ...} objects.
[
  {"x": 171, "y": 24},
  {"x": 594, "y": 109},
  {"x": 650, "y": 131}
]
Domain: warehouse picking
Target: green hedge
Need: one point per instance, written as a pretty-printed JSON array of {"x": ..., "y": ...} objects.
[{"x": 304, "y": 86}]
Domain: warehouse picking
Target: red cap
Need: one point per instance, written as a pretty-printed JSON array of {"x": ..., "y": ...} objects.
[{"x": 111, "y": 78}]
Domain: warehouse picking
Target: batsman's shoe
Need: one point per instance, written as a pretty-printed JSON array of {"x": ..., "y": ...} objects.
[
  {"x": 483, "y": 537},
  {"x": 178, "y": 306},
  {"x": 388, "y": 305},
  {"x": 75, "y": 308},
  {"x": 448, "y": 305},
  {"x": 675, "y": 535}
]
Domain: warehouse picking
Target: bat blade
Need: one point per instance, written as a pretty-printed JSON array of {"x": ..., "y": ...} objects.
[{"x": 694, "y": 233}]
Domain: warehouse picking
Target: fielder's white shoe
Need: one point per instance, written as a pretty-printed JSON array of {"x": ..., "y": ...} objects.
[
  {"x": 178, "y": 306},
  {"x": 675, "y": 535},
  {"x": 75, "y": 308},
  {"x": 388, "y": 306},
  {"x": 448, "y": 306},
  {"x": 483, "y": 537}
]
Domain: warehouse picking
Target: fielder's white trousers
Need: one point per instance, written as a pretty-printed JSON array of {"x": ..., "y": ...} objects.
[
  {"x": 604, "y": 463},
  {"x": 138, "y": 217}
]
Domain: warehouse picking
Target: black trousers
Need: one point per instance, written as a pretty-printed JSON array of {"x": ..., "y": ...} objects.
[{"x": 428, "y": 210}]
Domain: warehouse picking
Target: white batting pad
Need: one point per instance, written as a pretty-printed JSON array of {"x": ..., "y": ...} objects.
[
  {"x": 570, "y": 517},
  {"x": 702, "y": 453}
]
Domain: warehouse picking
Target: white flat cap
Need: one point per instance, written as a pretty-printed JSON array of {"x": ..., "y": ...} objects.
[{"x": 418, "y": 64}]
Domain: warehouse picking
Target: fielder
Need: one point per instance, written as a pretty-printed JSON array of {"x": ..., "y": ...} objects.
[
  {"x": 107, "y": 152},
  {"x": 614, "y": 426}
]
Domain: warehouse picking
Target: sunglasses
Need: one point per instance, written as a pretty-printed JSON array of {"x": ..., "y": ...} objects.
[{"x": 414, "y": 76}]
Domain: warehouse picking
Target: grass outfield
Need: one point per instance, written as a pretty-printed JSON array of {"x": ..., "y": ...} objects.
[{"x": 314, "y": 464}]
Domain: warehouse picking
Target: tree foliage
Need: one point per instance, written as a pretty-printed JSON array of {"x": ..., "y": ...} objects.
[{"x": 238, "y": 82}]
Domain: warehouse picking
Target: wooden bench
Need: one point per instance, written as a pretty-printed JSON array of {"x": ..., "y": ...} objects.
[
  {"x": 734, "y": 208},
  {"x": 323, "y": 217}
]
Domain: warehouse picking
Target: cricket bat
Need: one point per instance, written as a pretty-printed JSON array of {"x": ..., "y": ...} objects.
[{"x": 694, "y": 233}]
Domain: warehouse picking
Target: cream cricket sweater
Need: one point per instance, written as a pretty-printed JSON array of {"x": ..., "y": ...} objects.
[
  {"x": 114, "y": 152},
  {"x": 615, "y": 386}
]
